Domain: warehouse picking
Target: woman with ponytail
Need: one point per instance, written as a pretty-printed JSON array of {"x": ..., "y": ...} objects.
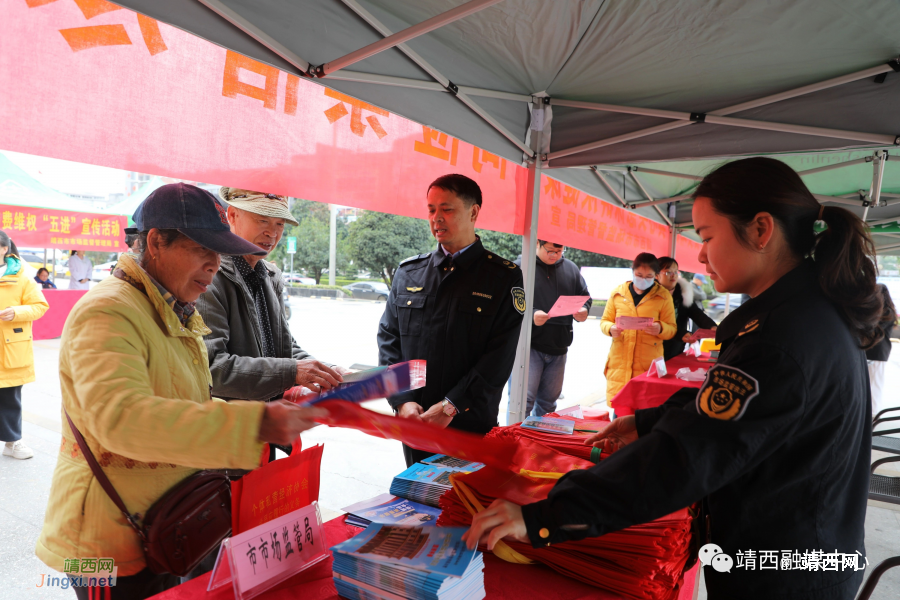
[
  {"x": 775, "y": 447},
  {"x": 21, "y": 302}
]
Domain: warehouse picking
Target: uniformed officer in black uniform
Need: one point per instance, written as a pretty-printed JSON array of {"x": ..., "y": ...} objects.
[
  {"x": 460, "y": 309},
  {"x": 776, "y": 444}
]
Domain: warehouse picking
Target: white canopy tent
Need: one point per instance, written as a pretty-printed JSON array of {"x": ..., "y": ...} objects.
[{"x": 596, "y": 89}]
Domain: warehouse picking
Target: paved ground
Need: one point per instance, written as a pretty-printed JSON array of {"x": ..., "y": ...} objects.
[{"x": 354, "y": 466}]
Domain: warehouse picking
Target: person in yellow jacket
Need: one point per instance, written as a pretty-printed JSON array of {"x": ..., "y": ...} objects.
[
  {"x": 135, "y": 381},
  {"x": 633, "y": 351},
  {"x": 21, "y": 302}
]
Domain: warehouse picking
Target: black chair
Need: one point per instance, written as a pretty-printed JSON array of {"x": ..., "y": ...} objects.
[
  {"x": 880, "y": 439},
  {"x": 869, "y": 586}
]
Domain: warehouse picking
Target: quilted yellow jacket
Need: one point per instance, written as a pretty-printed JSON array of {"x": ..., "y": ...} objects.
[
  {"x": 136, "y": 383},
  {"x": 19, "y": 291},
  {"x": 633, "y": 351}
]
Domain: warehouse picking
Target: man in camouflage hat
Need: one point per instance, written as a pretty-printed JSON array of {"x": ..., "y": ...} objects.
[{"x": 252, "y": 354}]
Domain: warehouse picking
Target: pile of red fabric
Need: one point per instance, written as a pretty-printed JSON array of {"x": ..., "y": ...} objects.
[
  {"x": 573, "y": 445},
  {"x": 643, "y": 562}
]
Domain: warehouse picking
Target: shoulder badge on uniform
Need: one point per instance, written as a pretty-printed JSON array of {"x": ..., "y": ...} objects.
[
  {"x": 518, "y": 296},
  {"x": 414, "y": 289},
  {"x": 726, "y": 393},
  {"x": 413, "y": 258}
]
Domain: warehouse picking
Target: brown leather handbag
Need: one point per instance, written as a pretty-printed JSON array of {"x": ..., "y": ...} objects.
[{"x": 183, "y": 526}]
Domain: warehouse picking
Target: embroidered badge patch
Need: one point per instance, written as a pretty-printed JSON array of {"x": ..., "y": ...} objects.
[
  {"x": 518, "y": 296},
  {"x": 750, "y": 326},
  {"x": 726, "y": 393},
  {"x": 413, "y": 289}
]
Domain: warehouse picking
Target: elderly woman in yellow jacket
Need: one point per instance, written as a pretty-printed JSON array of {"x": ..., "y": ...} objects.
[
  {"x": 135, "y": 381},
  {"x": 633, "y": 351},
  {"x": 21, "y": 302}
]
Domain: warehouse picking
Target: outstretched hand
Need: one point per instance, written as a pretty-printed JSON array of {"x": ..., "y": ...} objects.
[
  {"x": 502, "y": 519},
  {"x": 614, "y": 436}
]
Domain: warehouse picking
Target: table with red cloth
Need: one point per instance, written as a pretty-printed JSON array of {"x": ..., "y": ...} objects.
[
  {"x": 648, "y": 391},
  {"x": 502, "y": 580}
]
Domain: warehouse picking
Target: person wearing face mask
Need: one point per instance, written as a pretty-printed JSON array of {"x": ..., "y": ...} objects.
[
  {"x": 633, "y": 351},
  {"x": 686, "y": 307},
  {"x": 776, "y": 445}
]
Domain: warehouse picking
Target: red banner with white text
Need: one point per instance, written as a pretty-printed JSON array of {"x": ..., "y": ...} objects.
[
  {"x": 45, "y": 228},
  {"x": 89, "y": 81}
]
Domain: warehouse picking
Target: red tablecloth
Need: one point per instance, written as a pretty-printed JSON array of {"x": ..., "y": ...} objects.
[
  {"x": 647, "y": 392},
  {"x": 502, "y": 580},
  {"x": 51, "y": 324}
]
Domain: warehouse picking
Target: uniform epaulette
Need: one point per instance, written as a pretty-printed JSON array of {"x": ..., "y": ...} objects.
[
  {"x": 500, "y": 261},
  {"x": 415, "y": 258}
]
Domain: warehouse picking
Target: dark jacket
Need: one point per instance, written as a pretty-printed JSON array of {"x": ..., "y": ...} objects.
[
  {"x": 47, "y": 285},
  {"x": 464, "y": 322},
  {"x": 687, "y": 308},
  {"x": 777, "y": 441},
  {"x": 882, "y": 350},
  {"x": 239, "y": 369},
  {"x": 562, "y": 278}
]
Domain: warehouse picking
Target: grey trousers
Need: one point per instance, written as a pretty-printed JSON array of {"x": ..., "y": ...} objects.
[{"x": 11, "y": 414}]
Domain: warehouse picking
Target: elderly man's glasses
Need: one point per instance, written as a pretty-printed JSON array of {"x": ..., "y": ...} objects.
[{"x": 548, "y": 245}]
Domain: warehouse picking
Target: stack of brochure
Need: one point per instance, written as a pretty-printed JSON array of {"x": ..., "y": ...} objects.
[
  {"x": 420, "y": 563},
  {"x": 390, "y": 510},
  {"x": 426, "y": 481}
]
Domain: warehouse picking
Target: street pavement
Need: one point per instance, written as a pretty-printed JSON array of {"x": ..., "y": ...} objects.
[{"x": 354, "y": 466}]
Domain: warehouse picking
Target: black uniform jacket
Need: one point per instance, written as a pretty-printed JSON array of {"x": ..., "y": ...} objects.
[
  {"x": 562, "y": 278},
  {"x": 777, "y": 439},
  {"x": 464, "y": 320},
  {"x": 684, "y": 312}
]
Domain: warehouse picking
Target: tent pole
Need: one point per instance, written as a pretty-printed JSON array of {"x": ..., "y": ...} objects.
[
  {"x": 633, "y": 205},
  {"x": 218, "y": 7},
  {"x": 877, "y": 178},
  {"x": 807, "y": 89},
  {"x": 332, "y": 245},
  {"x": 455, "y": 14},
  {"x": 446, "y": 83},
  {"x": 518, "y": 394},
  {"x": 673, "y": 240},
  {"x": 649, "y": 197},
  {"x": 835, "y": 166},
  {"x": 667, "y": 173}
]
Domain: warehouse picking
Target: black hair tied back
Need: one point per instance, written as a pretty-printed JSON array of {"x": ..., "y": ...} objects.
[
  {"x": 845, "y": 261},
  {"x": 844, "y": 253}
]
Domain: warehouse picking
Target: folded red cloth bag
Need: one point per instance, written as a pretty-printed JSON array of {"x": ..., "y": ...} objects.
[
  {"x": 573, "y": 445},
  {"x": 275, "y": 489},
  {"x": 644, "y": 561}
]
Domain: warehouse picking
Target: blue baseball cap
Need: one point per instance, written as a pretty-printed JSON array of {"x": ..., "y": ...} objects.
[
  {"x": 700, "y": 277},
  {"x": 195, "y": 213}
]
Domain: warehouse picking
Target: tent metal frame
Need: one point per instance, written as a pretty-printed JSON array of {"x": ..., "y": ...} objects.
[{"x": 537, "y": 160}]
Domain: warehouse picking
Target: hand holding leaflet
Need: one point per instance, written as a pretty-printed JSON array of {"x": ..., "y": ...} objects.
[
  {"x": 567, "y": 305},
  {"x": 634, "y": 323}
]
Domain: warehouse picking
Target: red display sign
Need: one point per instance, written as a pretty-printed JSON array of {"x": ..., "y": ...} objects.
[{"x": 45, "y": 228}]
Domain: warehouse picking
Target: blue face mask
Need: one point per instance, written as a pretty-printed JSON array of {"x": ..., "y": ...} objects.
[{"x": 643, "y": 284}]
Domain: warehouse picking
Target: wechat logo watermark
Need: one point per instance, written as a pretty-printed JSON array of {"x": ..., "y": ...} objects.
[{"x": 712, "y": 556}]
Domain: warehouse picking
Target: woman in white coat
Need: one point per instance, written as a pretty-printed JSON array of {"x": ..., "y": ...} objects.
[{"x": 80, "y": 269}]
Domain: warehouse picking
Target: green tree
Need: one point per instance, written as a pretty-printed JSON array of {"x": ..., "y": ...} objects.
[
  {"x": 312, "y": 246},
  {"x": 507, "y": 245},
  {"x": 379, "y": 241}
]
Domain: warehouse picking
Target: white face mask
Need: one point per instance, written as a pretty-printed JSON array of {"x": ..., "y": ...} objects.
[{"x": 643, "y": 284}]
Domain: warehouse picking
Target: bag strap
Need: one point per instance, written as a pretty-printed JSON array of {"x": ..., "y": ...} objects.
[{"x": 105, "y": 483}]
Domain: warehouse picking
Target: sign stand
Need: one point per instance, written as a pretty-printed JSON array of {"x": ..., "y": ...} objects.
[{"x": 260, "y": 558}]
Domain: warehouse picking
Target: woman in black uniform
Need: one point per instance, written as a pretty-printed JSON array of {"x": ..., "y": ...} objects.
[{"x": 777, "y": 441}]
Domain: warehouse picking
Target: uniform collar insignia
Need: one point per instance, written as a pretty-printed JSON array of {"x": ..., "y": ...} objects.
[{"x": 414, "y": 289}]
